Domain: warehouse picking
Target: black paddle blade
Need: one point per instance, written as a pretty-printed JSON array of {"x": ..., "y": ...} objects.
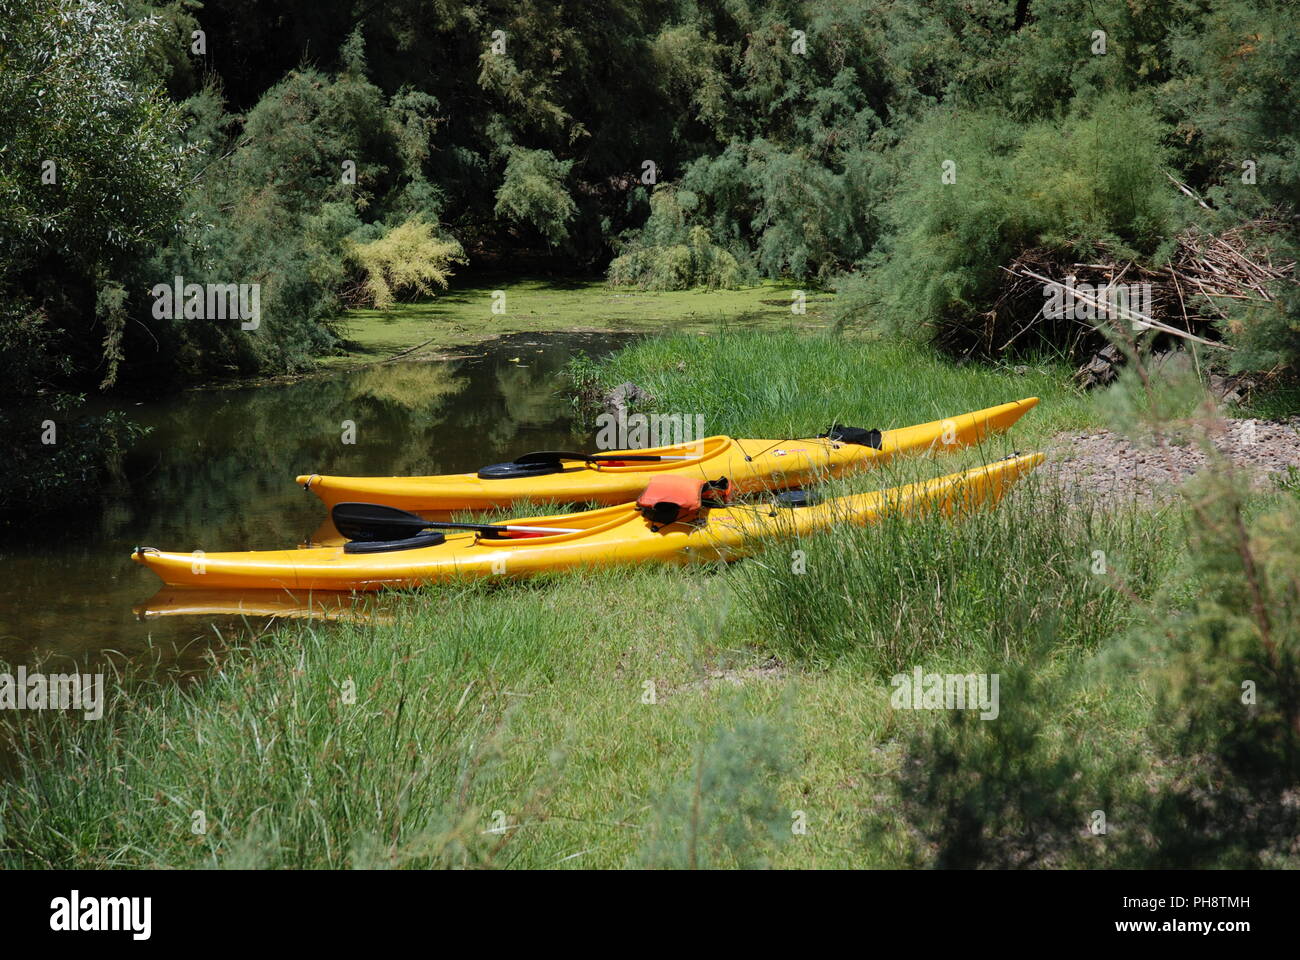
[
  {"x": 555, "y": 456},
  {"x": 549, "y": 456},
  {"x": 519, "y": 471},
  {"x": 370, "y": 522}
]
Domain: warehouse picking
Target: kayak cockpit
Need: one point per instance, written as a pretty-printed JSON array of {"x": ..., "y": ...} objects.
[
  {"x": 582, "y": 525},
  {"x": 676, "y": 456}
]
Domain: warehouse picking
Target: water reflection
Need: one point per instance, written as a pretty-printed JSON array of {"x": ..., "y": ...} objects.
[
  {"x": 294, "y": 605},
  {"x": 217, "y": 473}
]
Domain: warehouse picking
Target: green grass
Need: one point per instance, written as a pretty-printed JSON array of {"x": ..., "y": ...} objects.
[
  {"x": 463, "y": 315},
  {"x": 1277, "y": 402},
  {"x": 527, "y": 698},
  {"x": 986, "y": 589},
  {"x": 527, "y": 705},
  {"x": 787, "y": 384}
]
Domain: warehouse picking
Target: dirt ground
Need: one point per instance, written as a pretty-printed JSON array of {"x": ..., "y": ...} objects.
[{"x": 1109, "y": 465}]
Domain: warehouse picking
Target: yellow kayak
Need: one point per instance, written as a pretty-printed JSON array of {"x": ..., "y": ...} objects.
[
  {"x": 604, "y": 537},
  {"x": 750, "y": 465}
]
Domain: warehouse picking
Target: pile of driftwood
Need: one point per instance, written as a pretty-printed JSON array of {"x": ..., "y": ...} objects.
[{"x": 1188, "y": 299}]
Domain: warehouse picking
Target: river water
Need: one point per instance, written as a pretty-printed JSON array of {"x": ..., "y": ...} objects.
[{"x": 217, "y": 473}]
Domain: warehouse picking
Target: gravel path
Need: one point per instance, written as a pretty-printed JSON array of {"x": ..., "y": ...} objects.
[{"x": 1111, "y": 466}]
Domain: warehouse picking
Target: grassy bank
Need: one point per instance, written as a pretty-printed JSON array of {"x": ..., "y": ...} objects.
[
  {"x": 789, "y": 384},
  {"x": 702, "y": 716},
  {"x": 769, "y": 694},
  {"x": 464, "y": 314}
]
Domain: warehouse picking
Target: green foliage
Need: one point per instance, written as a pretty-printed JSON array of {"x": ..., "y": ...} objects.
[
  {"x": 779, "y": 383},
  {"x": 110, "y": 308},
  {"x": 801, "y": 218},
  {"x": 1235, "y": 97},
  {"x": 533, "y": 193},
  {"x": 669, "y": 254},
  {"x": 1228, "y": 705},
  {"x": 583, "y": 379},
  {"x": 275, "y": 204},
  {"x": 727, "y": 812},
  {"x": 74, "y": 93},
  {"x": 930, "y": 587},
  {"x": 1061, "y": 185},
  {"x": 790, "y": 140},
  {"x": 407, "y": 259},
  {"x": 1003, "y": 793},
  {"x": 1210, "y": 640},
  {"x": 1266, "y": 334},
  {"x": 89, "y": 173},
  {"x": 813, "y": 221},
  {"x": 794, "y": 181},
  {"x": 277, "y": 778},
  {"x": 1209, "y": 785},
  {"x": 31, "y": 348}
]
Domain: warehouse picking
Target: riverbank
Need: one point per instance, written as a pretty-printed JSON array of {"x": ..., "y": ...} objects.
[
  {"x": 1104, "y": 464},
  {"x": 482, "y": 308},
  {"x": 459, "y": 322},
  {"x": 738, "y": 716}
]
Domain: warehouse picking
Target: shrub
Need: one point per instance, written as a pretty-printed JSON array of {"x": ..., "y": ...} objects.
[
  {"x": 1061, "y": 185},
  {"x": 726, "y": 813},
  {"x": 671, "y": 254},
  {"x": 1228, "y": 695},
  {"x": 273, "y": 206},
  {"x": 533, "y": 192},
  {"x": 90, "y": 173},
  {"x": 1006, "y": 793},
  {"x": 408, "y": 258}
]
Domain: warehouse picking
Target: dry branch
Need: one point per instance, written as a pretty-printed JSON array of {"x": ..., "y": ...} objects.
[{"x": 1207, "y": 272}]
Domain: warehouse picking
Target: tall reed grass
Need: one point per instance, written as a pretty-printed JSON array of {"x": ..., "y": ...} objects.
[
  {"x": 935, "y": 589},
  {"x": 792, "y": 384}
]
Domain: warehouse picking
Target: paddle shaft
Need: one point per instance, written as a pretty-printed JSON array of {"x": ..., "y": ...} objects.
[
  {"x": 363, "y": 521},
  {"x": 555, "y": 456},
  {"x": 496, "y": 527}
]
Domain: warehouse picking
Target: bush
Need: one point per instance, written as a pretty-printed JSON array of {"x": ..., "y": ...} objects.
[
  {"x": 274, "y": 206},
  {"x": 533, "y": 192},
  {"x": 1061, "y": 185},
  {"x": 1228, "y": 699},
  {"x": 726, "y": 813},
  {"x": 670, "y": 254},
  {"x": 1266, "y": 334},
  {"x": 1006, "y": 793},
  {"x": 1207, "y": 667},
  {"x": 406, "y": 259},
  {"x": 90, "y": 174}
]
